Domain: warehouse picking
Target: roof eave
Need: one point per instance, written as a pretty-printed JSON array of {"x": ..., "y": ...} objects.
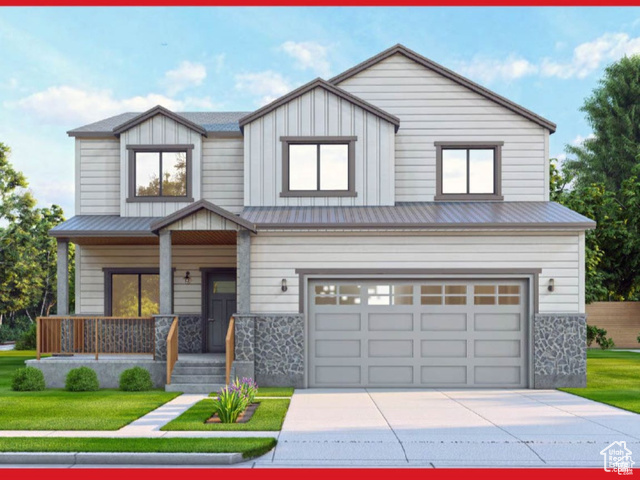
[
  {"x": 103, "y": 134},
  {"x": 430, "y": 64},
  {"x": 580, "y": 226},
  {"x": 197, "y": 206},
  {"x": 319, "y": 83},
  {"x": 152, "y": 112}
]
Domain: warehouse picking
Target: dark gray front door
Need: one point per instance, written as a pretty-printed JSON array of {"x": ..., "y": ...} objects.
[{"x": 221, "y": 304}]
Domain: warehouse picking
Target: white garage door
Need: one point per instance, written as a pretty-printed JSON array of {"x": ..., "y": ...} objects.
[{"x": 418, "y": 333}]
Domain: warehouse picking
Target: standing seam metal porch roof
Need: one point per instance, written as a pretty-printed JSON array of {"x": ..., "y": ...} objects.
[
  {"x": 409, "y": 215},
  {"x": 422, "y": 215}
]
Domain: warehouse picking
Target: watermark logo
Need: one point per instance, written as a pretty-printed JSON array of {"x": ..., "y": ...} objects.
[{"x": 617, "y": 458}]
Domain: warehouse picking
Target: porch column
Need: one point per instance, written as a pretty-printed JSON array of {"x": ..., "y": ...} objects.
[
  {"x": 166, "y": 273},
  {"x": 243, "y": 253},
  {"x": 62, "y": 305}
]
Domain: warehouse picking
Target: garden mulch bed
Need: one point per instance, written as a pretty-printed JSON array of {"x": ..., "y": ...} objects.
[{"x": 244, "y": 417}]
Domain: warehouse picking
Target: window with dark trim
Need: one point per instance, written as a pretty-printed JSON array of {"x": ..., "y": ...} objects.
[
  {"x": 468, "y": 171},
  {"x": 131, "y": 292},
  {"x": 160, "y": 173},
  {"x": 318, "y": 166}
]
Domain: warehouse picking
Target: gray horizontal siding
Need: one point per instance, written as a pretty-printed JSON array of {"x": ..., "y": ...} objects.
[
  {"x": 433, "y": 108},
  {"x": 223, "y": 172},
  {"x": 98, "y": 178},
  {"x": 276, "y": 256}
]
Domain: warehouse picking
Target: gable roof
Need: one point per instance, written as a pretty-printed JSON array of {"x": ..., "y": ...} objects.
[
  {"x": 320, "y": 83},
  {"x": 215, "y": 123},
  {"x": 152, "y": 112},
  {"x": 451, "y": 75},
  {"x": 197, "y": 206}
]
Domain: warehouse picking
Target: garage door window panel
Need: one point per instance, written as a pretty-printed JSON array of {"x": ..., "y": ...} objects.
[{"x": 390, "y": 295}]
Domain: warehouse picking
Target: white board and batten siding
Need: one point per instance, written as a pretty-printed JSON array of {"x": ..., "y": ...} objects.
[
  {"x": 275, "y": 256},
  {"x": 97, "y": 176},
  {"x": 433, "y": 108},
  {"x": 223, "y": 172},
  {"x": 319, "y": 113},
  {"x": 158, "y": 130},
  {"x": 90, "y": 261}
]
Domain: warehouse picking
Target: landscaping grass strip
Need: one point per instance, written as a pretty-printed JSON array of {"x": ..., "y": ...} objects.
[
  {"x": 268, "y": 417},
  {"x": 269, "y": 392},
  {"x": 249, "y": 447},
  {"x": 612, "y": 378}
]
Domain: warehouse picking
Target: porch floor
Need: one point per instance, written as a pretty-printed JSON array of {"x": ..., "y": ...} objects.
[{"x": 107, "y": 357}]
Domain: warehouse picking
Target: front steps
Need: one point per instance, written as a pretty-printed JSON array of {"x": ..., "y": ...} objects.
[{"x": 197, "y": 376}]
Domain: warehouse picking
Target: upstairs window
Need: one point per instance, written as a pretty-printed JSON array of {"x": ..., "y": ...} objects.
[
  {"x": 468, "y": 171},
  {"x": 318, "y": 166},
  {"x": 160, "y": 173}
]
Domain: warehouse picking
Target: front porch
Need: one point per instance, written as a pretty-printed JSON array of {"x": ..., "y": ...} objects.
[{"x": 151, "y": 290}]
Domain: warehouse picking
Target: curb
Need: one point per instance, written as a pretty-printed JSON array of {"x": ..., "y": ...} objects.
[{"x": 100, "y": 458}]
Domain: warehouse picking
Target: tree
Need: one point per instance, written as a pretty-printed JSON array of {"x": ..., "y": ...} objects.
[
  {"x": 613, "y": 112},
  {"x": 612, "y": 250},
  {"x": 28, "y": 256}
]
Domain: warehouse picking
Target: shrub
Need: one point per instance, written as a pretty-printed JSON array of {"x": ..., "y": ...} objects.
[
  {"x": 28, "y": 379},
  {"x": 82, "y": 379},
  {"x": 248, "y": 387},
  {"x": 28, "y": 339},
  {"x": 600, "y": 337},
  {"x": 136, "y": 379},
  {"x": 229, "y": 404}
]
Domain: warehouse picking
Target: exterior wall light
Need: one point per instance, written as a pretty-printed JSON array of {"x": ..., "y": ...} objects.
[
  {"x": 284, "y": 285},
  {"x": 187, "y": 278},
  {"x": 551, "y": 286}
]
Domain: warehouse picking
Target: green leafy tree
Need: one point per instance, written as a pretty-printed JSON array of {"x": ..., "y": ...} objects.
[
  {"x": 613, "y": 112},
  {"x": 612, "y": 250},
  {"x": 27, "y": 253}
]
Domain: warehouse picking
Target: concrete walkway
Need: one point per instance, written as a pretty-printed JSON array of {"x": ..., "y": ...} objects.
[{"x": 455, "y": 428}]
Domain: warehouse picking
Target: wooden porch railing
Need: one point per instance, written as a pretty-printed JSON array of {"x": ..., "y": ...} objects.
[
  {"x": 230, "y": 344},
  {"x": 172, "y": 348},
  {"x": 95, "y": 335}
]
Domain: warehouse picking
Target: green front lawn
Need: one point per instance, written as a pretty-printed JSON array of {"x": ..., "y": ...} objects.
[
  {"x": 268, "y": 417},
  {"x": 249, "y": 447},
  {"x": 56, "y": 409},
  {"x": 612, "y": 378}
]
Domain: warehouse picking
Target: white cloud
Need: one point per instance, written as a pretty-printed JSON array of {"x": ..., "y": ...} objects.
[
  {"x": 488, "y": 70},
  {"x": 586, "y": 59},
  {"x": 267, "y": 85},
  {"x": 590, "y": 56},
  {"x": 308, "y": 56},
  {"x": 187, "y": 75},
  {"x": 73, "y": 106},
  {"x": 579, "y": 140}
]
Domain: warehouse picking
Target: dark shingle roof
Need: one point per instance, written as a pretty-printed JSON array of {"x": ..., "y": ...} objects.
[
  {"x": 211, "y": 121},
  {"x": 423, "y": 215}
]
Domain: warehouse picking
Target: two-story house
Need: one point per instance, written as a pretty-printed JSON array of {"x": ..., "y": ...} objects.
[{"x": 388, "y": 227}]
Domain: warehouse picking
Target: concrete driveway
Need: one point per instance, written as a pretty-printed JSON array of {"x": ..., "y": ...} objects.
[{"x": 437, "y": 428}]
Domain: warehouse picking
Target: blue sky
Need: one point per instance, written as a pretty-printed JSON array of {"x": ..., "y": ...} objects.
[{"x": 65, "y": 67}]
